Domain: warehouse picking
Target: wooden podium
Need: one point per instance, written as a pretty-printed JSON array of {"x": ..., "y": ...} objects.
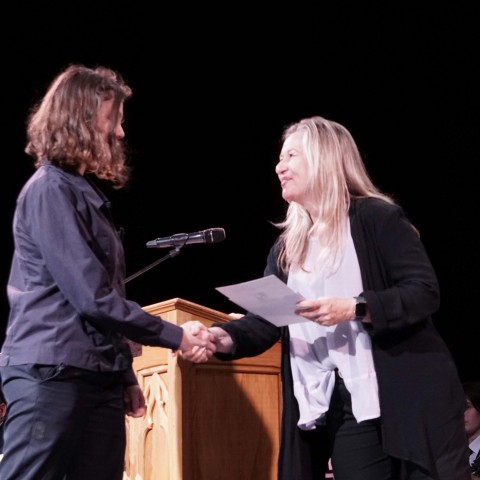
[{"x": 210, "y": 421}]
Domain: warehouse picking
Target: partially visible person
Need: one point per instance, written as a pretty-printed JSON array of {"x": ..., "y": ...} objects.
[
  {"x": 3, "y": 415},
  {"x": 367, "y": 380},
  {"x": 472, "y": 424},
  {"x": 66, "y": 362}
]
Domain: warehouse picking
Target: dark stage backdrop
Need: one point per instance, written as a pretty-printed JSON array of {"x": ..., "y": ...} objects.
[{"x": 213, "y": 88}]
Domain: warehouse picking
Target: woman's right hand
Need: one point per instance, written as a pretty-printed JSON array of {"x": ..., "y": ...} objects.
[
  {"x": 197, "y": 343},
  {"x": 222, "y": 340}
]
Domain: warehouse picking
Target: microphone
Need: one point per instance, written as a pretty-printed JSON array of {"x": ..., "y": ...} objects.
[{"x": 211, "y": 235}]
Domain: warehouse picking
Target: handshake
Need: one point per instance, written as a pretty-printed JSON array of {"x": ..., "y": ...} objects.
[{"x": 199, "y": 343}]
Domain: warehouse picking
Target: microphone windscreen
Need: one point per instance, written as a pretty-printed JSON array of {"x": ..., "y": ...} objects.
[{"x": 215, "y": 235}]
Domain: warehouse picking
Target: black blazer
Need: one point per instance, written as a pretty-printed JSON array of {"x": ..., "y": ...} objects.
[{"x": 421, "y": 396}]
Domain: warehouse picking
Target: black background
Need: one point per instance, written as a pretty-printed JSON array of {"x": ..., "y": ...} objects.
[{"x": 213, "y": 88}]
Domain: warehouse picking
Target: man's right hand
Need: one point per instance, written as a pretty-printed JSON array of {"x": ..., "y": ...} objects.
[{"x": 197, "y": 343}]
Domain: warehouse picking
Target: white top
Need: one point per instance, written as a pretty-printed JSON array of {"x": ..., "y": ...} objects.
[
  {"x": 316, "y": 350},
  {"x": 474, "y": 447}
]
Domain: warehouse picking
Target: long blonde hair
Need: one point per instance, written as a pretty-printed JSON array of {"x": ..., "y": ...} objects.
[
  {"x": 62, "y": 127},
  {"x": 337, "y": 175}
]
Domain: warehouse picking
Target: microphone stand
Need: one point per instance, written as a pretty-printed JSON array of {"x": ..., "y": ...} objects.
[{"x": 171, "y": 254}]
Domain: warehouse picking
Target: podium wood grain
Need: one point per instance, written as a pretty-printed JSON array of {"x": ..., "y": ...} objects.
[{"x": 211, "y": 421}]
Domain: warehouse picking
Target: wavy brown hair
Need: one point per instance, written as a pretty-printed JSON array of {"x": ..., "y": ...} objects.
[{"x": 62, "y": 128}]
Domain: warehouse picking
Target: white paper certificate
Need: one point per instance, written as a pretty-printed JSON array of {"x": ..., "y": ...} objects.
[{"x": 268, "y": 297}]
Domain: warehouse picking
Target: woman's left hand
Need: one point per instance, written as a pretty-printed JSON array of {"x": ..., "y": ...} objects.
[{"x": 327, "y": 311}]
